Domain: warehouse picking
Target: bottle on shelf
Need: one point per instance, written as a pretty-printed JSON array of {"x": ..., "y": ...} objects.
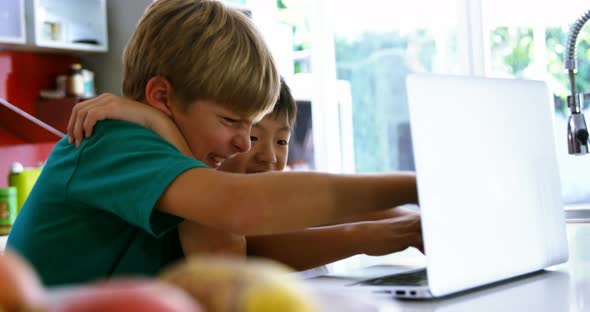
[
  {"x": 7, "y": 209},
  {"x": 23, "y": 179},
  {"x": 75, "y": 81}
]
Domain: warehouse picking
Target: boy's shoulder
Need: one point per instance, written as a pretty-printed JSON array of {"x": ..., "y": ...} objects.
[
  {"x": 114, "y": 149},
  {"x": 113, "y": 137},
  {"x": 118, "y": 127},
  {"x": 123, "y": 132}
]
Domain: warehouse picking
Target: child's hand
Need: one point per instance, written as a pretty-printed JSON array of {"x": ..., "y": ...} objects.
[
  {"x": 85, "y": 115},
  {"x": 108, "y": 106},
  {"x": 386, "y": 236}
]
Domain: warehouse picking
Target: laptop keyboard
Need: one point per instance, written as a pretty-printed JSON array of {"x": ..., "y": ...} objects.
[{"x": 416, "y": 278}]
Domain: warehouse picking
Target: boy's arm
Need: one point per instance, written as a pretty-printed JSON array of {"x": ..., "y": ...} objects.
[
  {"x": 313, "y": 247},
  {"x": 197, "y": 239},
  {"x": 85, "y": 115},
  {"x": 279, "y": 202},
  {"x": 377, "y": 215}
]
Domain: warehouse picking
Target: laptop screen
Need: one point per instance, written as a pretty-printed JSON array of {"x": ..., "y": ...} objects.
[{"x": 488, "y": 179}]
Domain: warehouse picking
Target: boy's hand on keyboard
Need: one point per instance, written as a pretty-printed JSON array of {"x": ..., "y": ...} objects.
[{"x": 387, "y": 236}]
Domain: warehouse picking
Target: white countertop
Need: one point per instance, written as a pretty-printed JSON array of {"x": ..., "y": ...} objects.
[{"x": 564, "y": 287}]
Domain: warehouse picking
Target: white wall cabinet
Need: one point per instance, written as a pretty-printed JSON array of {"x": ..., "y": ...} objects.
[
  {"x": 75, "y": 25},
  {"x": 12, "y": 17},
  {"x": 56, "y": 25}
]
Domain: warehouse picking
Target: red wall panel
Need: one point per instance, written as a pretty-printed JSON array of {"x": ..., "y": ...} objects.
[{"x": 24, "y": 74}]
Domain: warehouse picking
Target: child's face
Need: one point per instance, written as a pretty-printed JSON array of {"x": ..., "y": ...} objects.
[
  {"x": 213, "y": 133},
  {"x": 270, "y": 138}
]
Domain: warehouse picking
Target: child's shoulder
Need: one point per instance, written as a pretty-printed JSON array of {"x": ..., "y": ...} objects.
[
  {"x": 124, "y": 136},
  {"x": 110, "y": 127},
  {"x": 113, "y": 135}
]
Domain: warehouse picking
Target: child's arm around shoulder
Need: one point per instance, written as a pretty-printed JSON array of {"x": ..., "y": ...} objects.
[{"x": 85, "y": 115}]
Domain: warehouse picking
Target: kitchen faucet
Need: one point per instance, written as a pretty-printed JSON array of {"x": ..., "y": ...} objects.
[{"x": 577, "y": 131}]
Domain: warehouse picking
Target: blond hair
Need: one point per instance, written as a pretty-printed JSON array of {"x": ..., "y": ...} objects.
[{"x": 207, "y": 52}]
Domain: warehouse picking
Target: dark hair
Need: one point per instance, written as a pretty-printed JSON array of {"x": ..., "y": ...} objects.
[{"x": 285, "y": 105}]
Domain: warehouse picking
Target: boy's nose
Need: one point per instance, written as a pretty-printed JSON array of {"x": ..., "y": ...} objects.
[
  {"x": 242, "y": 143},
  {"x": 267, "y": 155}
]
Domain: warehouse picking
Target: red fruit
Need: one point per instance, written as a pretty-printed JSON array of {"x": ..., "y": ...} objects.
[
  {"x": 20, "y": 287},
  {"x": 122, "y": 296}
]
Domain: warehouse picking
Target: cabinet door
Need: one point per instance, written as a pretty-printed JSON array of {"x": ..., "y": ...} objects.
[
  {"x": 12, "y": 19},
  {"x": 71, "y": 25}
]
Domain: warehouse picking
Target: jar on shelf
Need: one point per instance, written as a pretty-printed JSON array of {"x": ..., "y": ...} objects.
[{"x": 75, "y": 81}]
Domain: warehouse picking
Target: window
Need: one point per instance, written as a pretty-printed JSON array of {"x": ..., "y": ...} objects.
[
  {"x": 377, "y": 45},
  {"x": 372, "y": 46}
]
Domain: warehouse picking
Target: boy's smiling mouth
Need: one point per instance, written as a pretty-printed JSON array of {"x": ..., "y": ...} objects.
[{"x": 215, "y": 161}]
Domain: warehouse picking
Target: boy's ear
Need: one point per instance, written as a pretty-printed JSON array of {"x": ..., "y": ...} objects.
[{"x": 158, "y": 94}]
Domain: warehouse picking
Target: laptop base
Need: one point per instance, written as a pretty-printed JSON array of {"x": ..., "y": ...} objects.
[{"x": 407, "y": 285}]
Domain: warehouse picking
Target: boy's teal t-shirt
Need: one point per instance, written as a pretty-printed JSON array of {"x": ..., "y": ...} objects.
[{"x": 91, "y": 213}]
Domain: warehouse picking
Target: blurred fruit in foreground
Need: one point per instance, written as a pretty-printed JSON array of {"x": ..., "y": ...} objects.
[
  {"x": 223, "y": 284},
  {"x": 121, "y": 295},
  {"x": 20, "y": 288}
]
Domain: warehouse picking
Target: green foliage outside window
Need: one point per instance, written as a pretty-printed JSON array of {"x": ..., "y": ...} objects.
[
  {"x": 237, "y": 1},
  {"x": 376, "y": 65},
  {"x": 513, "y": 48},
  {"x": 294, "y": 13},
  {"x": 512, "y": 53},
  {"x": 281, "y": 5}
]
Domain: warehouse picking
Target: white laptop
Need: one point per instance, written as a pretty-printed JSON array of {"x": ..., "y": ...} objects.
[{"x": 488, "y": 183}]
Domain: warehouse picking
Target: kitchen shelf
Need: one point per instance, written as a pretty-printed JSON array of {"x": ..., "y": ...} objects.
[
  {"x": 23, "y": 138},
  {"x": 16, "y": 125},
  {"x": 56, "y": 113}
]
